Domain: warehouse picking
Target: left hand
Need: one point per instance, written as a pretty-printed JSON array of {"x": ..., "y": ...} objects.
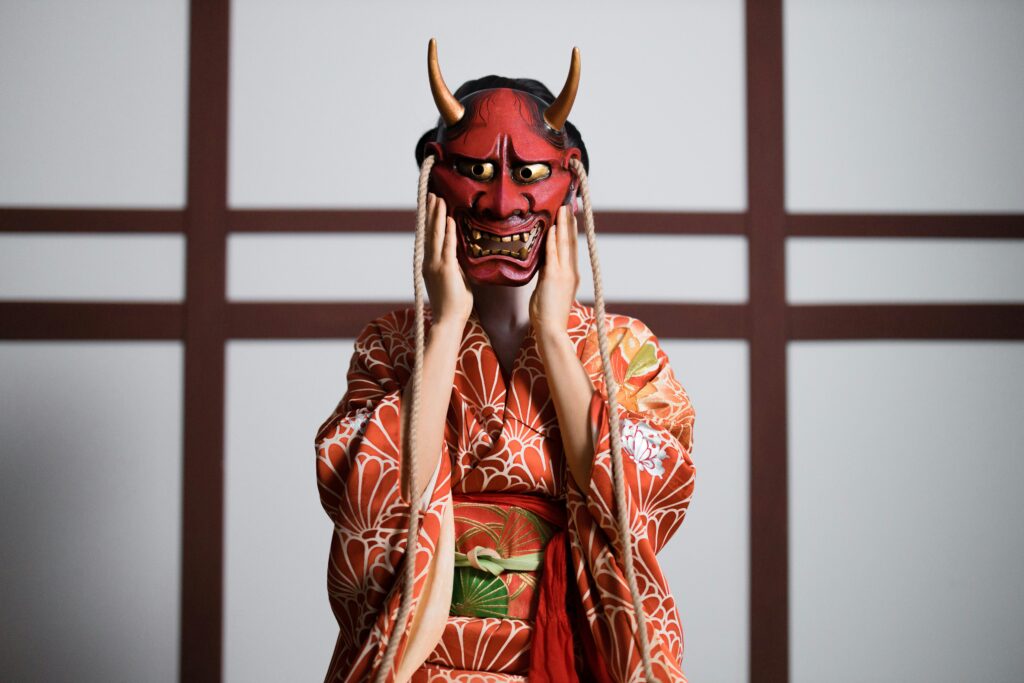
[{"x": 559, "y": 278}]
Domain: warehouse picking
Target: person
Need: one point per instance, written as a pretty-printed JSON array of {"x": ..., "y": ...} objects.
[{"x": 497, "y": 513}]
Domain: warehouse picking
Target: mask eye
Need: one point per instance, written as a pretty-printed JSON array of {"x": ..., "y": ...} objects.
[
  {"x": 477, "y": 170},
  {"x": 531, "y": 173}
]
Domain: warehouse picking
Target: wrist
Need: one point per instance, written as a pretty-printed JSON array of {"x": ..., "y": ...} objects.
[
  {"x": 447, "y": 331},
  {"x": 552, "y": 338}
]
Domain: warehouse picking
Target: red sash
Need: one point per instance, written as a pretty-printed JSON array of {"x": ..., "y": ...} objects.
[{"x": 551, "y": 652}]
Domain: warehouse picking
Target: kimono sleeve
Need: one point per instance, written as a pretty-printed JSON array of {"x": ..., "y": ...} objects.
[
  {"x": 656, "y": 421},
  {"x": 358, "y": 456}
]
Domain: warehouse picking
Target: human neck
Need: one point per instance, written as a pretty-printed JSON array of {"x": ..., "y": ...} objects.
[
  {"x": 504, "y": 313},
  {"x": 503, "y": 309}
]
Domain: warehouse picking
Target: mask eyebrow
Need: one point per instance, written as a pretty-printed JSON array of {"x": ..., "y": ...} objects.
[
  {"x": 471, "y": 148},
  {"x": 466, "y": 158},
  {"x": 514, "y": 156}
]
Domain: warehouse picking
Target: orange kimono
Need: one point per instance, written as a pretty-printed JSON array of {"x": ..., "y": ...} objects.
[{"x": 505, "y": 439}]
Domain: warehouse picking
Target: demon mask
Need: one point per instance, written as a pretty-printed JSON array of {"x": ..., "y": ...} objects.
[{"x": 502, "y": 167}]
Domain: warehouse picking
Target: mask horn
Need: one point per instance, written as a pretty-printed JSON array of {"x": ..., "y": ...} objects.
[
  {"x": 557, "y": 114},
  {"x": 451, "y": 109}
]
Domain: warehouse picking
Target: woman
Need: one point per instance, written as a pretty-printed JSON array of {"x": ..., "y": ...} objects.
[{"x": 505, "y": 439}]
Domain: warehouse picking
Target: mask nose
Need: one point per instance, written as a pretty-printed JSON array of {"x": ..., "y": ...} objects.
[{"x": 503, "y": 199}]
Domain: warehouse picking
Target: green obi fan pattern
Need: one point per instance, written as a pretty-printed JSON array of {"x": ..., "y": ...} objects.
[{"x": 498, "y": 551}]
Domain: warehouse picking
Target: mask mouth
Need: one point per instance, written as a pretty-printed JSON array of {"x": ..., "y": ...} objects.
[{"x": 516, "y": 245}]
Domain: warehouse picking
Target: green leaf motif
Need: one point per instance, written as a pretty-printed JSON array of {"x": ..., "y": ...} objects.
[
  {"x": 478, "y": 594},
  {"x": 644, "y": 361}
]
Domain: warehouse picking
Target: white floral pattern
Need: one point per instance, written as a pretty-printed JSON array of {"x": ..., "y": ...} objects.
[{"x": 644, "y": 445}]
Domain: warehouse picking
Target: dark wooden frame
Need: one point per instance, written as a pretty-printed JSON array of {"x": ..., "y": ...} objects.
[{"x": 206, "y": 320}]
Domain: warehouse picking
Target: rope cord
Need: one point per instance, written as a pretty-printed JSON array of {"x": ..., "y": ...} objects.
[
  {"x": 618, "y": 476},
  {"x": 408, "y": 461}
]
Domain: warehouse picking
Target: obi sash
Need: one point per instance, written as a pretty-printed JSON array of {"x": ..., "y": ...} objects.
[
  {"x": 499, "y": 552},
  {"x": 551, "y": 651}
]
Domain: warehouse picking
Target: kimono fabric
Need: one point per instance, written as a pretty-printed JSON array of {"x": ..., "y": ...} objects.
[{"x": 503, "y": 473}]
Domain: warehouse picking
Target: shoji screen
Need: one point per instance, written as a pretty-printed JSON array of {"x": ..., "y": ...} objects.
[
  {"x": 905, "y": 451},
  {"x": 815, "y": 205},
  {"x": 90, "y": 392}
]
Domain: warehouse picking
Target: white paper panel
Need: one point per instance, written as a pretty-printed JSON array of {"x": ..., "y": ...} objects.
[
  {"x": 668, "y": 268},
  {"x": 366, "y": 266},
  {"x": 94, "y": 102},
  {"x": 905, "y": 550},
  {"x": 278, "y": 623},
  {"x": 839, "y": 270},
  {"x": 70, "y": 267},
  {"x": 90, "y": 508},
  {"x": 328, "y": 99},
  {"x": 904, "y": 105},
  {"x": 707, "y": 561}
]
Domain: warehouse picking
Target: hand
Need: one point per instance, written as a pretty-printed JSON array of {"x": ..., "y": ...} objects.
[
  {"x": 559, "y": 278},
  {"x": 451, "y": 299}
]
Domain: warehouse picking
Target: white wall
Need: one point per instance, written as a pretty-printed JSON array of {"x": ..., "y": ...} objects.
[
  {"x": 90, "y": 510},
  {"x": 94, "y": 102},
  {"x": 911, "y": 270},
  {"x": 912, "y": 105},
  {"x": 905, "y": 547},
  {"x": 278, "y": 624},
  {"x": 75, "y": 267},
  {"x": 707, "y": 561}
]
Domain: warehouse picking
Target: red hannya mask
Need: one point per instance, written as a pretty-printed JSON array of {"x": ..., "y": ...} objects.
[{"x": 502, "y": 167}]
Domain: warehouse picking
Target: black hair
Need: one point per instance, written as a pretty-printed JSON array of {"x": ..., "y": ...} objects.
[{"x": 527, "y": 85}]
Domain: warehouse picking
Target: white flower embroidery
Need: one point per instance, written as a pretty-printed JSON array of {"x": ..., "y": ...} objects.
[{"x": 644, "y": 445}]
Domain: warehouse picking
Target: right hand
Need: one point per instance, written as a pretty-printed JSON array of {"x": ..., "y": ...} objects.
[{"x": 451, "y": 299}]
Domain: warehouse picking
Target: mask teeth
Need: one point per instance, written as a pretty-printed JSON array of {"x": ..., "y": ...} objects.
[{"x": 519, "y": 244}]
